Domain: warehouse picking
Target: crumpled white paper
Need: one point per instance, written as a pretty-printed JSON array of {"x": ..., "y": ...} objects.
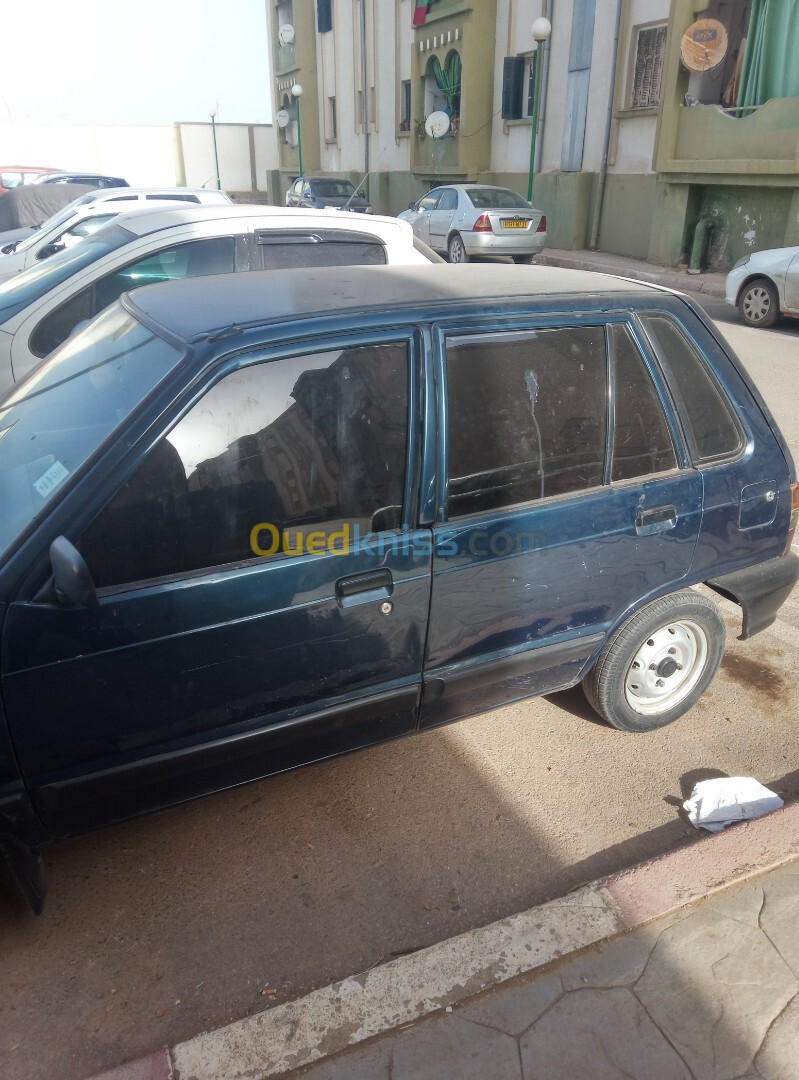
[{"x": 715, "y": 804}]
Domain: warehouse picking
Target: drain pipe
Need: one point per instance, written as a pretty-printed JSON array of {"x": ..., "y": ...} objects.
[
  {"x": 542, "y": 105},
  {"x": 365, "y": 88},
  {"x": 700, "y": 238},
  {"x": 603, "y": 169}
]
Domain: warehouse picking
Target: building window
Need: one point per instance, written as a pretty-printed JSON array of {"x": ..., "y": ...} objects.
[
  {"x": 324, "y": 16},
  {"x": 332, "y": 129},
  {"x": 650, "y": 48},
  {"x": 405, "y": 105},
  {"x": 518, "y": 87}
]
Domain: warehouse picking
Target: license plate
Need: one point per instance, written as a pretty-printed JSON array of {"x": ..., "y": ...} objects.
[{"x": 515, "y": 224}]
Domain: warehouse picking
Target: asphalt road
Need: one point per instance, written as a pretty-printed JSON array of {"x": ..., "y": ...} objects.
[{"x": 163, "y": 927}]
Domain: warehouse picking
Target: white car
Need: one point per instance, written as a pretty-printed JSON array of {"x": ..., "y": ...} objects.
[
  {"x": 88, "y": 213},
  {"x": 40, "y": 307},
  {"x": 765, "y": 285}
]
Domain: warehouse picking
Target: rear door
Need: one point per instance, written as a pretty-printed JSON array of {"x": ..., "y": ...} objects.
[
  {"x": 567, "y": 500},
  {"x": 260, "y": 604}
]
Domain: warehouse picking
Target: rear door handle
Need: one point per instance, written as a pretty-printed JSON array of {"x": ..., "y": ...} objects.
[
  {"x": 364, "y": 588},
  {"x": 656, "y": 519}
]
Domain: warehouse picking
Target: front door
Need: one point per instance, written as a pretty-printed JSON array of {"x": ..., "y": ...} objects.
[
  {"x": 792, "y": 286},
  {"x": 441, "y": 219},
  {"x": 259, "y": 604},
  {"x": 566, "y": 502}
]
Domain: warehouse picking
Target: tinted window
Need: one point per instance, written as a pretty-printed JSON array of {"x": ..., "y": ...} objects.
[
  {"x": 172, "y": 198},
  {"x": 312, "y": 441},
  {"x": 527, "y": 416},
  {"x": 642, "y": 442},
  {"x": 488, "y": 198},
  {"x": 197, "y": 258},
  {"x": 284, "y": 250},
  {"x": 712, "y": 431},
  {"x": 333, "y": 189},
  {"x": 35, "y": 282},
  {"x": 53, "y": 421}
]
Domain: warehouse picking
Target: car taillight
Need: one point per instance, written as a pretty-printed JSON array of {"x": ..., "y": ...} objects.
[
  {"x": 542, "y": 224},
  {"x": 794, "y": 516},
  {"x": 482, "y": 224}
]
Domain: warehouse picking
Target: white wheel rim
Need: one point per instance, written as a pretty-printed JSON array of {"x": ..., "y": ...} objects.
[
  {"x": 666, "y": 668},
  {"x": 757, "y": 304}
]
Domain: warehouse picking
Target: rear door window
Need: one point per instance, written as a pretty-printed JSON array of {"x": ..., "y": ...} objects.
[
  {"x": 642, "y": 440},
  {"x": 527, "y": 416},
  {"x": 297, "y": 249},
  {"x": 712, "y": 430}
]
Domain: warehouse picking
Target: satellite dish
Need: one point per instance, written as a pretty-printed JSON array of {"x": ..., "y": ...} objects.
[
  {"x": 282, "y": 118},
  {"x": 285, "y": 34},
  {"x": 704, "y": 45},
  {"x": 437, "y": 124}
]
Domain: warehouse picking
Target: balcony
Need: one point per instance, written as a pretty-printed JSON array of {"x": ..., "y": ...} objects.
[
  {"x": 437, "y": 156},
  {"x": 707, "y": 140}
]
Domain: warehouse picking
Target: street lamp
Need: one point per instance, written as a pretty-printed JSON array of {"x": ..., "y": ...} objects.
[
  {"x": 213, "y": 113},
  {"x": 296, "y": 93},
  {"x": 541, "y": 29}
]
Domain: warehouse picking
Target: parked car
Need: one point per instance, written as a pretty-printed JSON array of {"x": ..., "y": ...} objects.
[
  {"x": 41, "y": 306},
  {"x": 97, "y": 180},
  {"x": 258, "y": 520},
  {"x": 764, "y": 285},
  {"x": 14, "y": 176},
  {"x": 317, "y": 192},
  {"x": 90, "y": 212},
  {"x": 25, "y": 208},
  {"x": 464, "y": 220}
]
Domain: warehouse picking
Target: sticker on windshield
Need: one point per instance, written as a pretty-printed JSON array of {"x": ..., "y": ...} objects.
[{"x": 49, "y": 481}]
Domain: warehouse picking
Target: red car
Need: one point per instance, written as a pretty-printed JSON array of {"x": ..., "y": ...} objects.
[{"x": 12, "y": 176}]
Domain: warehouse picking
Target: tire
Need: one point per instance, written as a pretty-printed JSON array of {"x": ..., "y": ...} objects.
[
  {"x": 524, "y": 260},
  {"x": 759, "y": 304},
  {"x": 678, "y": 643},
  {"x": 456, "y": 251}
]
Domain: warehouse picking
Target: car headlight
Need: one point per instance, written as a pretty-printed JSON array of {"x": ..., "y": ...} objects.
[{"x": 741, "y": 262}]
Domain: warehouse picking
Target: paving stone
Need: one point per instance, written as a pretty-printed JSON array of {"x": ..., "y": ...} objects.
[
  {"x": 365, "y": 1063},
  {"x": 601, "y": 1034},
  {"x": 714, "y": 985},
  {"x": 512, "y": 1008},
  {"x": 779, "y": 1057},
  {"x": 618, "y": 962},
  {"x": 780, "y": 916},
  {"x": 449, "y": 1048}
]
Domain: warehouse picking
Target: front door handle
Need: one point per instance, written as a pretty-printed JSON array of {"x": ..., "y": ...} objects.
[
  {"x": 364, "y": 588},
  {"x": 655, "y": 520}
]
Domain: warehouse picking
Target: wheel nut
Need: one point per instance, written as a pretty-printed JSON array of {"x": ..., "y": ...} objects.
[
  {"x": 672, "y": 650},
  {"x": 659, "y": 682},
  {"x": 636, "y": 665},
  {"x": 679, "y": 667},
  {"x": 653, "y": 667}
]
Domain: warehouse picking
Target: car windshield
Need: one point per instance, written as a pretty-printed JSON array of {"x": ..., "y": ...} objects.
[
  {"x": 32, "y": 284},
  {"x": 55, "y": 420},
  {"x": 494, "y": 198},
  {"x": 332, "y": 189},
  {"x": 54, "y": 222}
]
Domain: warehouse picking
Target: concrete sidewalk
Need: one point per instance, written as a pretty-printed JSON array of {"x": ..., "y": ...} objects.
[
  {"x": 706, "y": 284},
  {"x": 686, "y": 966}
]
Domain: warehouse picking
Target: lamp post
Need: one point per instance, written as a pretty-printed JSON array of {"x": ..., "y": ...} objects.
[
  {"x": 216, "y": 152},
  {"x": 541, "y": 29},
  {"x": 296, "y": 93}
]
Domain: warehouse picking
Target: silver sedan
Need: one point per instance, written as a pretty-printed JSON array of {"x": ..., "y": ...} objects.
[{"x": 464, "y": 220}]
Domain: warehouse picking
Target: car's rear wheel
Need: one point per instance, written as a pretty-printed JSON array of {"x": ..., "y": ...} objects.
[
  {"x": 456, "y": 251},
  {"x": 524, "y": 259},
  {"x": 659, "y": 664},
  {"x": 759, "y": 303}
]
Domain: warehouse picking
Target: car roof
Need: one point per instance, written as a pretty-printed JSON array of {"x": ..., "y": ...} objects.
[
  {"x": 143, "y": 221},
  {"x": 196, "y": 307}
]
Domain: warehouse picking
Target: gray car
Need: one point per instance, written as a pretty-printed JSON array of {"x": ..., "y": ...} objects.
[
  {"x": 322, "y": 192},
  {"x": 464, "y": 220}
]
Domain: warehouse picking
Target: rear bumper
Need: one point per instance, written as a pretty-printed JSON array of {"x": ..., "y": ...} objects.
[
  {"x": 514, "y": 244},
  {"x": 760, "y": 590}
]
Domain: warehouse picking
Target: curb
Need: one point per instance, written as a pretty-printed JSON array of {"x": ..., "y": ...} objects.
[
  {"x": 395, "y": 994},
  {"x": 705, "y": 285}
]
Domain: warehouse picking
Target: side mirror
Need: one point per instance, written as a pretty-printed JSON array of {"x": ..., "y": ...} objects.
[
  {"x": 73, "y": 581},
  {"x": 413, "y": 206}
]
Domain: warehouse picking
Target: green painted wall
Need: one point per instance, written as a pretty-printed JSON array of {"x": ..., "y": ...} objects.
[
  {"x": 627, "y": 215},
  {"x": 744, "y": 220}
]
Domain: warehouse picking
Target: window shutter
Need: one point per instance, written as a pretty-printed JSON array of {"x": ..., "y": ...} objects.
[
  {"x": 512, "y": 87},
  {"x": 324, "y": 15},
  {"x": 648, "y": 68}
]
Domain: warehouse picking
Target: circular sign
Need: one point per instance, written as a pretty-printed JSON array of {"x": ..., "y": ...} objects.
[
  {"x": 437, "y": 124},
  {"x": 282, "y": 118},
  {"x": 704, "y": 45}
]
